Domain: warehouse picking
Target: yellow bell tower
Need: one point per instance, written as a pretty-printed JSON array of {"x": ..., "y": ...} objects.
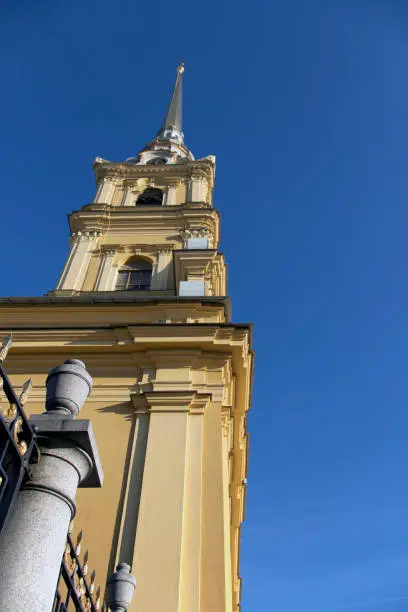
[{"x": 142, "y": 299}]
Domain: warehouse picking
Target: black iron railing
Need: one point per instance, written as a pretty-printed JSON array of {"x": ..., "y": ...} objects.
[
  {"x": 18, "y": 446},
  {"x": 75, "y": 592}
]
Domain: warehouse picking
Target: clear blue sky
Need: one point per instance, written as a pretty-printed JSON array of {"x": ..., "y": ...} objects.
[{"x": 305, "y": 106}]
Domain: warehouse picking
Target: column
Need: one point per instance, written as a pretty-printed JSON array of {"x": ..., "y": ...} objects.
[
  {"x": 160, "y": 277},
  {"x": 168, "y": 537},
  {"x": 33, "y": 543},
  {"x": 73, "y": 275},
  {"x": 105, "y": 273}
]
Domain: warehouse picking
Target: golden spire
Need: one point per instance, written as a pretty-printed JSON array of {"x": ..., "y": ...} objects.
[{"x": 172, "y": 122}]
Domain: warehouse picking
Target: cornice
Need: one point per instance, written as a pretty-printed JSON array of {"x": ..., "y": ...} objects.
[
  {"x": 135, "y": 249},
  {"x": 123, "y": 220},
  {"x": 202, "y": 167},
  {"x": 151, "y": 211},
  {"x": 220, "y": 339},
  {"x": 85, "y": 235},
  {"x": 137, "y": 183}
]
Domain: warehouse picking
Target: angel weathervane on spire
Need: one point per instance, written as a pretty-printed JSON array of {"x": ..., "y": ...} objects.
[{"x": 180, "y": 68}]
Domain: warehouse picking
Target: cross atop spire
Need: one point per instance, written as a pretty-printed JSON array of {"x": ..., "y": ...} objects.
[{"x": 171, "y": 129}]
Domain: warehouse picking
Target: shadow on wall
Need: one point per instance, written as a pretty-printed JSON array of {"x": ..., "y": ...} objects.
[
  {"x": 165, "y": 278},
  {"x": 124, "y": 533}
]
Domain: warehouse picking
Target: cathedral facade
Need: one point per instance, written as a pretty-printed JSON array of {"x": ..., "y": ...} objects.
[{"x": 142, "y": 299}]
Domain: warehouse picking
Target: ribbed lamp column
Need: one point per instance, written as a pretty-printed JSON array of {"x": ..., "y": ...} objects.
[{"x": 33, "y": 543}]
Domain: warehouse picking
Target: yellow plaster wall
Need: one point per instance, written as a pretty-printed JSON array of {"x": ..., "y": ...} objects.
[
  {"x": 181, "y": 192},
  {"x": 182, "y": 520},
  {"x": 99, "y": 509}
]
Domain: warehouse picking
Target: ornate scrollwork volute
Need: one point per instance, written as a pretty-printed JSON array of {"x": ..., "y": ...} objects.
[
  {"x": 10, "y": 413},
  {"x": 68, "y": 560},
  {"x": 16, "y": 425},
  {"x": 17, "y": 429}
]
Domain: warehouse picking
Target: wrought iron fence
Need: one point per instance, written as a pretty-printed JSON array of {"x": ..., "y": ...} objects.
[
  {"x": 18, "y": 446},
  {"x": 75, "y": 592}
]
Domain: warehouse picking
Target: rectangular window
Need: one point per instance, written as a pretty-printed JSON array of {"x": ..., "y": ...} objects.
[
  {"x": 139, "y": 280},
  {"x": 197, "y": 243},
  {"x": 133, "y": 280},
  {"x": 121, "y": 281}
]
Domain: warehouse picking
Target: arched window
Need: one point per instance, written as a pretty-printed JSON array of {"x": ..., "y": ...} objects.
[
  {"x": 135, "y": 275},
  {"x": 150, "y": 197}
]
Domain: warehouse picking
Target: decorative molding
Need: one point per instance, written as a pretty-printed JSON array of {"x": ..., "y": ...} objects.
[
  {"x": 166, "y": 251},
  {"x": 141, "y": 249},
  {"x": 174, "y": 181},
  {"x": 127, "y": 219},
  {"x": 86, "y": 235},
  {"x": 147, "y": 375},
  {"x": 151, "y": 181},
  {"x": 204, "y": 168},
  {"x": 171, "y": 401},
  {"x": 199, "y": 175},
  {"x": 199, "y": 232}
]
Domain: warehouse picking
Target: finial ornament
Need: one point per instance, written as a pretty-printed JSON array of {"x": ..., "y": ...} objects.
[
  {"x": 180, "y": 68},
  {"x": 119, "y": 588},
  {"x": 25, "y": 392},
  {"x": 68, "y": 386},
  {"x": 5, "y": 347}
]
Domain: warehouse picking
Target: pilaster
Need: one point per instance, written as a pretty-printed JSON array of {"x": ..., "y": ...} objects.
[
  {"x": 191, "y": 559},
  {"x": 171, "y": 195},
  {"x": 160, "y": 278},
  {"x": 227, "y": 436},
  {"x": 198, "y": 188},
  {"x": 216, "y": 582},
  {"x": 168, "y": 532},
  {"x": 104, "y": 280},
  {"x": 74, "y": 272},
  {"x": 106, "y": 190},
  {"x": 129, "y": 196}
]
